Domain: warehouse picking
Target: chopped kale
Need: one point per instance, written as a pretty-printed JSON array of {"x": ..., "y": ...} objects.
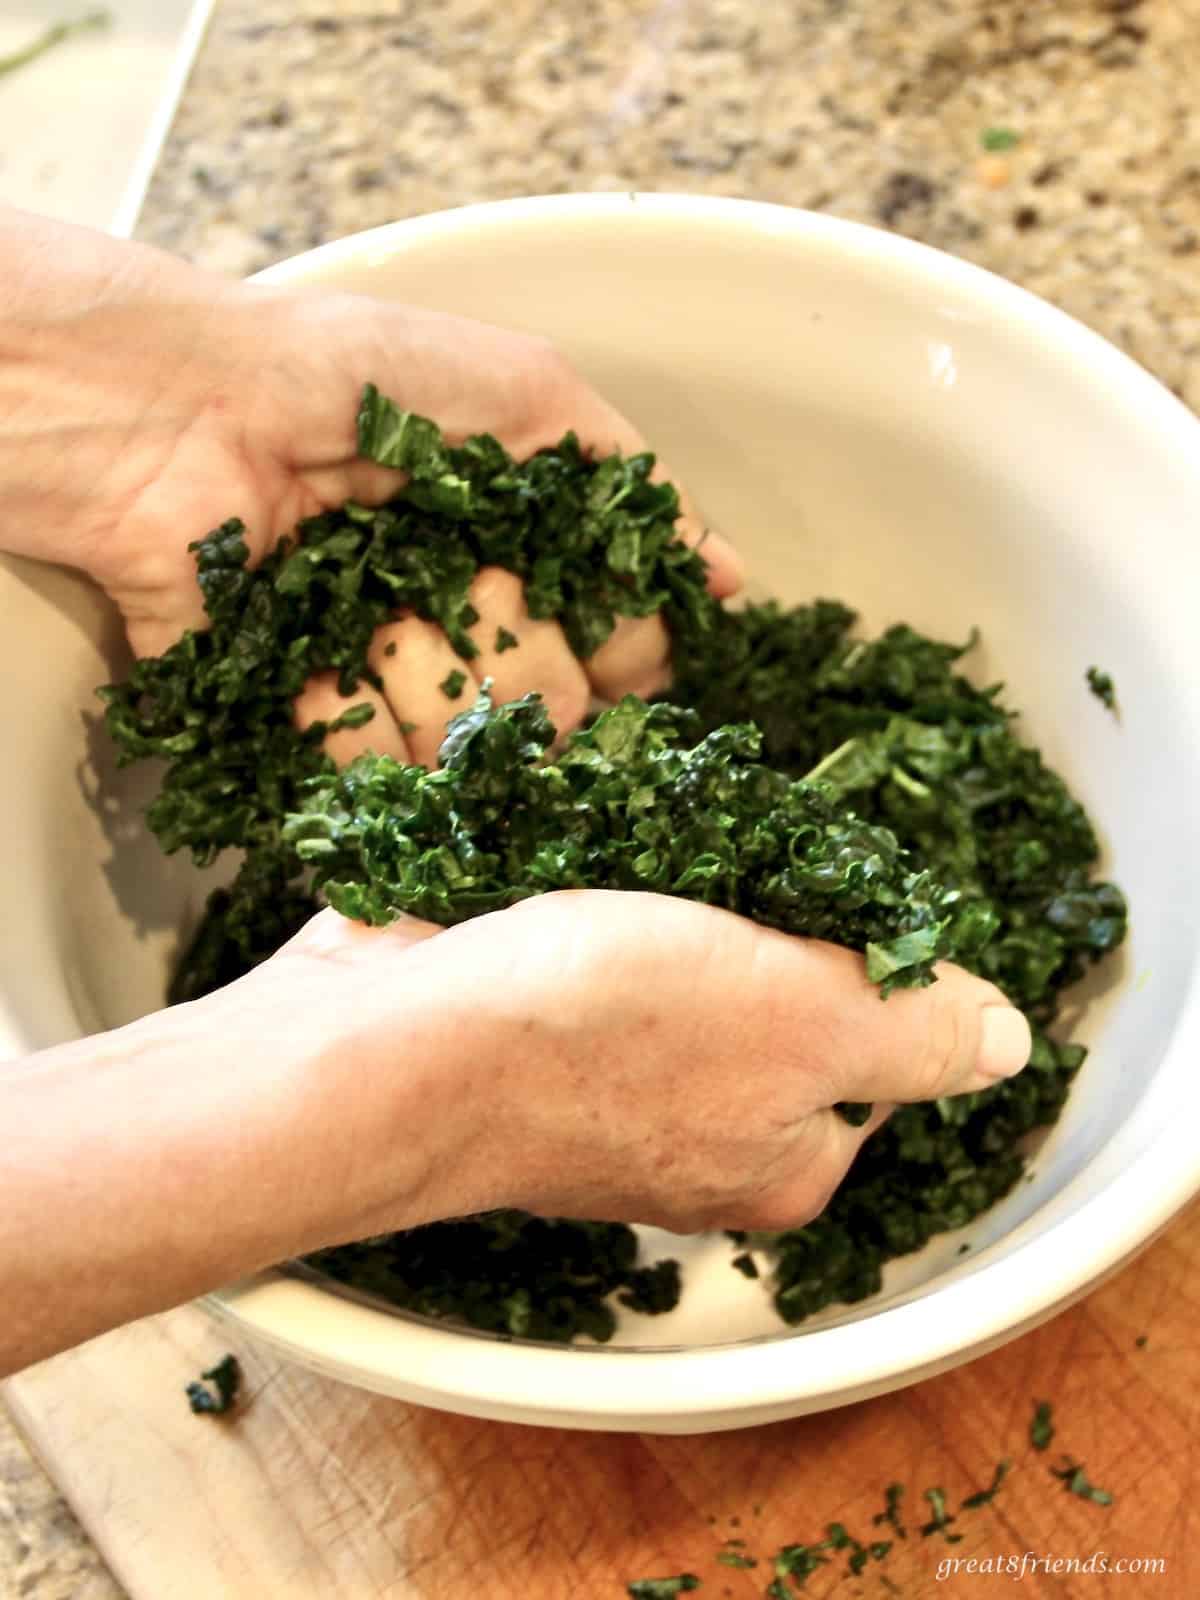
[
  {"x": 733, "y": 1558},
  {"x": 1075, "y": 1480},
  {"x": 663, "y": 1588},
  {"x": 983, "y": 1497},
  {"x": 940, "y": 1520},
  {"x": 505, "y": 641},
  {"x": 225, "y": 1379},
  {"x": 653, "y": 1290},
  {"x": 453, "y": 683},
  {"x": 746, "y": 1265},
  {"x": 630, "y": 803},
  {"x": 509, "y": 1273},
  {"x": 1102, "y": 686},
  {"x": 1041, "y": 1429},
  {"x": 799, "y": 1561},
  {"x": 998, "y": 139},
  {"x": 860, "y": 790},
  {"x": 893, "y": 1495}
]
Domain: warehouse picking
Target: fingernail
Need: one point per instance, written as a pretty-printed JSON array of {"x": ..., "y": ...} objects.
[{"x": 1005, "y": 1042}]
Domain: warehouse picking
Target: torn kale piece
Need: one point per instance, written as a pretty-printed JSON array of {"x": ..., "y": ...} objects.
[{"x": 1075, "y": 1480}]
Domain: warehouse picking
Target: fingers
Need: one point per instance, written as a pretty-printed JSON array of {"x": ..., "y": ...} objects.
[
  {"x": 957, "y": 1035},
  {"x": 635, "y": 659},
  {"x": 321, "y": 701},
  {"x": 540, "y": 659},
  {"x": 420, "y": 668}
]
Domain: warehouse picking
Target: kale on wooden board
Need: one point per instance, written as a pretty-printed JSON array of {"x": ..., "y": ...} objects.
[
  {"x": 1041, "y": 1429},
  {"x": 927, "y": 827},
  {"x": 216, "y": 1390},
  {"x": 1075, "y": 1481}
]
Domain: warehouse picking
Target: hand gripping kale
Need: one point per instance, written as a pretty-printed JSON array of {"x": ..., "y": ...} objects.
[
  {"x": 591, "y": 540},
  {"x": 630, "y": 803}
]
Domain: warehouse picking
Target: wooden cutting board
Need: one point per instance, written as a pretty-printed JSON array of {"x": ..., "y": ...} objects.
[{"x": 320, "y": 1491}]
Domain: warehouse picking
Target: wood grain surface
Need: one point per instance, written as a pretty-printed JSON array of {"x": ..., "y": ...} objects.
[{"x": 316, "y": 1490}]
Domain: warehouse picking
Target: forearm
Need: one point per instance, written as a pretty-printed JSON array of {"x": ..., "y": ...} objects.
[{"x": 151, "y": 1164}]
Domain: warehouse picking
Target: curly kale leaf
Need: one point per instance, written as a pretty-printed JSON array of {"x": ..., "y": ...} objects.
[{"x": 630, "y": 803}]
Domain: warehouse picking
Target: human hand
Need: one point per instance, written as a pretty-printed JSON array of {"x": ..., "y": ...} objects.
[
  {"x": 615, "y": 1055},
  {"x": 594, "y": 1054},
  {"x": 148, "y": 401}
]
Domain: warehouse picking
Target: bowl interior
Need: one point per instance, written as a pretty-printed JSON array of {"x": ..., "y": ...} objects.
[{"x": 869, "y": 422}]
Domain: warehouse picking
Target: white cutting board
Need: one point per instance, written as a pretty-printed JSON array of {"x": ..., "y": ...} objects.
[{"x": 81, "y": 127}]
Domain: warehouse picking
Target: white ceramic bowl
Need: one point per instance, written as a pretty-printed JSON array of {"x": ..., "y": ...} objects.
[{"x": 872, "y": 421}]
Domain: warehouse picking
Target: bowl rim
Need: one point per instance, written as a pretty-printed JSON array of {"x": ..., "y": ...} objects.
[{"x": 901, "y": 1342}]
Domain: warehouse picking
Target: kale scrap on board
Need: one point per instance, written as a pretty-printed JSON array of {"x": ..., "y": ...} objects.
[
  {"x": 216, "y": 1390},
  {"x": 862, "y": 790}
]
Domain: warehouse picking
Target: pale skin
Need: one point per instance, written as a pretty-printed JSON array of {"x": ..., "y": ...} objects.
[{"x": 622, "y": 1056}]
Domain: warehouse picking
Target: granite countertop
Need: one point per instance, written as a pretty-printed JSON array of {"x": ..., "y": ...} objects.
[{"x": 308, "y": 119}]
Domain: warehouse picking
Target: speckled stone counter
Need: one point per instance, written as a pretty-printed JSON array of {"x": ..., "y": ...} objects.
[{"x": 308, "y": 119}]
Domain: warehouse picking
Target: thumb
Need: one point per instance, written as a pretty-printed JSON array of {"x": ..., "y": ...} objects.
[{"x": 957, "y": 1035}]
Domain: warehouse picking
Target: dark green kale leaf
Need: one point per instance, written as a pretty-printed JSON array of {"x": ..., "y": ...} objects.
[
  {"x": 630, "y": 803},
  {"x": 226, "y": 1381}
]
